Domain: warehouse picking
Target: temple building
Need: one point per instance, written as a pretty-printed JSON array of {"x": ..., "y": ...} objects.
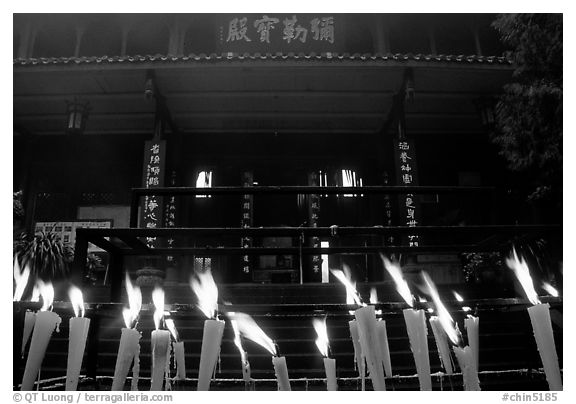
[{"x": 268, "y": 150}]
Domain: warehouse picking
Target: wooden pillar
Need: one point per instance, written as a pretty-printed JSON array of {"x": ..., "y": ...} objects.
[
  {"x": 116, "y": 275},
  {"x": 79, "y": 264}
]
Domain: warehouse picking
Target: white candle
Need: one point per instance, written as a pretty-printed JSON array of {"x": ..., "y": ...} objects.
[
  {"x": 417, "y": 333},
  {"x": 128, "y": 351},
  {"x": 467, "y": 362},
  {"x": 180, "y": 360},
  {"x": 442, "y": 344},
  {"x": 358, "y": 355},
  {"x": 366, "y": 318},
  {"x": 46, "y": 323},
  {"x": 160, "y": 340},
  {"x": 384, "y": 347},
  {"x": 29, "y": 320},
  {"x": 211, "y": 341},
  {"x": 471, "y": 324},
  {"x": 246, "y": 371},
  {"x": 330, "y": 368},
  {"x": 281, "y": 371},
  {"x": 76, "y": 344},
  {"x": 542, "y": 327}
]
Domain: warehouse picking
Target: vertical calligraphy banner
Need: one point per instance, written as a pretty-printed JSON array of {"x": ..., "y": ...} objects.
[
  {"x": 247, "y": 221},
  {"x": 170, "y": 216},
  {"x": 151, "y": 206},
  {"x": 407, "y": 174},
  {"x": 313, "y": 218}
]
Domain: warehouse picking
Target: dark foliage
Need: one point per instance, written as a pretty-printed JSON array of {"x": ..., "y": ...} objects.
[{"x": 528, "y": 127}]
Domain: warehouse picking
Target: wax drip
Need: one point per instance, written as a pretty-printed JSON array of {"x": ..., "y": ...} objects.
[
  {"x": 136, "y": 369},
  {"x": 167, "y": 367}
]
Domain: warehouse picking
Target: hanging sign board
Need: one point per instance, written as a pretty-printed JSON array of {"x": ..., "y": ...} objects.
[
  {"x": 152, "y": 206},
  {"x": 284, "y": 33},
  {"x": 407, "y": 174}
]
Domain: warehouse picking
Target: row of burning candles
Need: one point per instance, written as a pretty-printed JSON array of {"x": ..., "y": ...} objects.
[{"x": 369, "y": 335}]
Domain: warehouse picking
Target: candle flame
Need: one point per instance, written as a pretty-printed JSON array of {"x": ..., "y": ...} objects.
[
  {"x": 457, "y": 296},
  {"x": 77, "y": 300},
  {"x": 206, "y": 291},
  {"x": 550, "y": 289},
  {"x": 171, "y": 327},
  {"x": 158, "y": 300},
  {"x": 373, "y": 296},
  {"x": 35, "y": 294},
  {"x": 522, "y": 272},
  {"x": 322, "y": 341},
  {"x": 21, "y": 280},
  {"x": 395, "y": 272},
  {"x": 374, "y": 299},
  {"x": 237, "y": 340},
  {"x": 352, "y": 295},
  {"x": 444, "y": 316},
  {"x": 47, "y": 293},
  {"x": 134, "y": 302},
  {"x": 248, "y": 329}
]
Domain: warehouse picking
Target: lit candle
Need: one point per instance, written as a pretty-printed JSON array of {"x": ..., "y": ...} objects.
[
  {"x": 382, "y": 335},
  {"x": 445, "y": 323},
  {"x": 248, "y": 328},
  {"x": 418, "y": 335},
  {"x": 415, "y": 325},
  {"x": 178, "y": 348},
  {"x": 366, "y": 318},
  {"x": 29, "y": 321},
  {"x": 46, "y": 323},
  {"x": 21, "y": 281},
  {"x": 467, "y": 363},
  {"x": 160, "y": 340},
  {"x": 384, "y": 347},
  {"x": 129, "y": 349},
  {"x": 322, "y": 342},
  {"x": 281, "y": 371},
  {"x": 541, "y": 323},
  {"x": 243, "y": 355},
  {"x": 352, "y": 297},
  {"x": 205, "y": 289},
  {"x": 471, "y": 323},
  {"x": 128, "y": 352},
  {"x": 77, "y": 339},
  {"x": 442, "y": 344},
  {"x": 330, "y": 369},
  {"x": 213, "y": 330},
  {"x": 358, "y": 354}
]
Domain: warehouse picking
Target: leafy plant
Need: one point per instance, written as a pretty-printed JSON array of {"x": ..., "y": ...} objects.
[
  {"x": 46, "y": 254},
  {"x": 17, "y": 207},
  {"x": 528, "y": 127},
  {"x": 93, "y": 265},
  {"x": 475, "y": 263}
]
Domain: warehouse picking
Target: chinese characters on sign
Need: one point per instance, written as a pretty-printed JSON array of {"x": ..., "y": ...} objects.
[
  {"x": 265, "y": 29},
  {"x": 313, "y": 216},
  {"x": 152, "y": 205},
  {"x": 407, "y": 175},
  {"x": 170, "y": 216},
  {"x": 246, "y": 221}
]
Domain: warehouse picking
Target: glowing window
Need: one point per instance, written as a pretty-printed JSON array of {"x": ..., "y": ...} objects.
[
  {"x": 204, "y": 180},
  {"x": 350, "y": 179}
]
